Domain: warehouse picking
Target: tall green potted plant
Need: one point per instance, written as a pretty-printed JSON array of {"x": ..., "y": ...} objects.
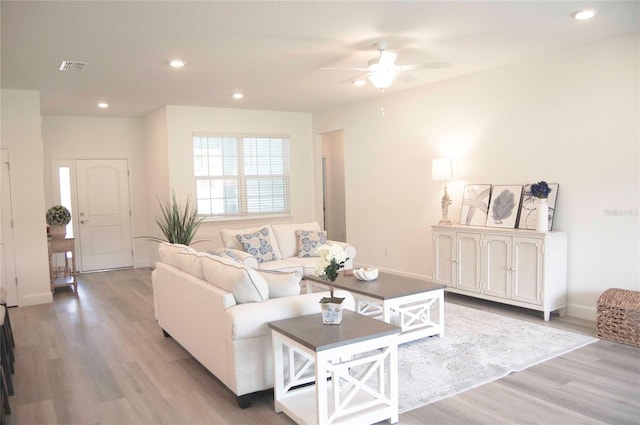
[{"x": 177, "y": 223}]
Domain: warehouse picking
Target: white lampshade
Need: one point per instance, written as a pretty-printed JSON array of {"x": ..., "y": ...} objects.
[{"x": 442, "y": 169}]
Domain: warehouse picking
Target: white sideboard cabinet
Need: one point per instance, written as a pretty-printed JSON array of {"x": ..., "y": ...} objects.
[{"x": 512, "y": 266}]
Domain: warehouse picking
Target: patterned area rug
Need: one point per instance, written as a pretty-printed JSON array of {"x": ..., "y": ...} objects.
[{"x": 478, "y": 347}]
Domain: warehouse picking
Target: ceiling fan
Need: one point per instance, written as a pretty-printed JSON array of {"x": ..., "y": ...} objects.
[{"x": 382, "y": 71}]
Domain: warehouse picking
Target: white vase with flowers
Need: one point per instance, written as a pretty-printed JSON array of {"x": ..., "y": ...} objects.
[{"x": 332, "y": 260}]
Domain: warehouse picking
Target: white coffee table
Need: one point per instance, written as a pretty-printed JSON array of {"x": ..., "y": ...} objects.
[
  {"x": 354, "y": 366},
  {"x": 399, "y": 300}
]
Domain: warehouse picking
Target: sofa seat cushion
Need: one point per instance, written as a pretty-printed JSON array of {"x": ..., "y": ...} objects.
[
  {"x": 308, "y": 265},
  {"x": 246, "y": 285},
  {"x": 252, "y": 320},
  {"x": 288, "y": 265}
]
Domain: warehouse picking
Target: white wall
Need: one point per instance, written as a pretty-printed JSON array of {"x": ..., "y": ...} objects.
[
  {"x": 157, "y": 176},
  {"x": 71, "y": 138},
  {"x": 180, "y": 122},
  {"x": 21, "y": 134},
  {"x": 333, "y": 154},
  {"x": 571, "y": 117}
]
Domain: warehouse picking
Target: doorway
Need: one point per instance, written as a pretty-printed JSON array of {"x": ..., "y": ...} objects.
[
  {"x": 333, "y": 185},
  {"x": 103, "y": 214}
]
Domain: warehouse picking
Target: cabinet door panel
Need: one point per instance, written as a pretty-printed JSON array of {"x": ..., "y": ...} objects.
[
  {"x": 444, "y": 265},
  {"x": 527, "y": 270},
  {"x": 498, "y": 266},
  {"x": 468, "y": 261}
]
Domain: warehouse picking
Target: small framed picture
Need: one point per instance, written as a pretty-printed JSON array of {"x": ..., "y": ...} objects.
[
  {"x": 504, "y": 206},
  {"x": 528, "y": 214},
  {"x": 475, "y": 204}
]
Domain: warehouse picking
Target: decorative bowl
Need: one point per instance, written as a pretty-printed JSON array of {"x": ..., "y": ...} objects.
[{"x": 366, "y": 274}]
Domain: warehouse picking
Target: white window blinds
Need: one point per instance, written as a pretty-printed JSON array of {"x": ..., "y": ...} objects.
[{"x": 241, "y": 175}]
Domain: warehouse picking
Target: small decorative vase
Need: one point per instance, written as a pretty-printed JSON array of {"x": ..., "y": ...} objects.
[
  {"x": 542, "y": 215},
  {"x": 331, "y": 313},
  {"x": 57, "y": 232}
]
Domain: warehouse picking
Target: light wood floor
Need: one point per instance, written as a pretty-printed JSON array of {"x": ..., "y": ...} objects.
[{"x": 98, "y": 357}]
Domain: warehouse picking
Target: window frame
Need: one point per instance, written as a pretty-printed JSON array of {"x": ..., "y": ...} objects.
[{"x": 241, "y": 177}]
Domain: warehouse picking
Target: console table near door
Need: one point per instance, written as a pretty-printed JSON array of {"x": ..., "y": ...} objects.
[{"x": 66, "y": 277}]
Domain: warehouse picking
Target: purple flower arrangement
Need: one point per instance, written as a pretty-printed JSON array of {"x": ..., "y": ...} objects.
[{"x": 540, "y": 189}]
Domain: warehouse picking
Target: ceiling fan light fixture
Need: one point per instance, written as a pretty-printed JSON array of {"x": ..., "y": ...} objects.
[
  {"x": 583, "y": 15},
  {"x": 359, "y": 82},
  {"x": 382, "y": 79},
  {"x": 176, "y": 63}
]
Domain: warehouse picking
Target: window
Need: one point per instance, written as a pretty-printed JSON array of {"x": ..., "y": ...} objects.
[
  {"x": 64, "y": 186},
  {"x": 241, "y": 175}
]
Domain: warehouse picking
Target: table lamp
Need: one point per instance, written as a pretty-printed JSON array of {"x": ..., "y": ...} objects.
[{"x": 442, "y": 169}]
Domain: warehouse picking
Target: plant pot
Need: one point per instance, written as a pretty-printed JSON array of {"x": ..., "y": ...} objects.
[
  {"x": 57, "y": 232},
  {"x": 331, "y": 310},
  {"x": 542, "y": 215}
]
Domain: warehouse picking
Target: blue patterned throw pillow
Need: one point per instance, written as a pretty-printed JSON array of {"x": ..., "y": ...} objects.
[
  {"x": 258, "y": 245},
  {"x": 308, "y": 241}
]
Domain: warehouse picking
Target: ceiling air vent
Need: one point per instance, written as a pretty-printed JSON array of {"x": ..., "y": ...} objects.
[{"x": 73, "y": 66}]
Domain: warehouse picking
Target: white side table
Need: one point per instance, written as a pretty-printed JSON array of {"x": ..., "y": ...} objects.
[{"x": 354, "y": 366}]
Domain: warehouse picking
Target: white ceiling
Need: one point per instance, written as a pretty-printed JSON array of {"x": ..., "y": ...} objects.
[{"x": 271, "y": 51}]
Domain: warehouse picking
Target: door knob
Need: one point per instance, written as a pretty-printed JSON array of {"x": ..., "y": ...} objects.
[{"x": 84, "y": 221}]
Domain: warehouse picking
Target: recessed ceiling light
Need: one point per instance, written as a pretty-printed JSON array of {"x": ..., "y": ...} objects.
[
  {"x": 176, "y": 63},
  {"x": 583, "y": 15},
  {"x": 103, "y": 105},
  {"x": 237, "y": 96},
  {"x": 359, "y": 82}
]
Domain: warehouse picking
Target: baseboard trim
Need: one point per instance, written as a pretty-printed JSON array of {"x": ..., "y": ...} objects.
[
  {"x": 582, "y": 312},
  {"x": 36, "y": 299}
]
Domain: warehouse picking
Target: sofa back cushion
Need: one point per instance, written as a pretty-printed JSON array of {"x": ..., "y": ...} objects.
[
  {"x": 286, "y": 236},
  {"x": 229, "y": 239},
  {"x": 281, "y": 284},
  {"x": 182, "y": 257},
  {"x": 244, "y": 283}
]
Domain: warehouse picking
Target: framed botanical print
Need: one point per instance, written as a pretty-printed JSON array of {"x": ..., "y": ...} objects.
[
  {"x": 475, "y": 204},
  {"x": 504, "y": 206},
  {"x": 528, "y": 214}
]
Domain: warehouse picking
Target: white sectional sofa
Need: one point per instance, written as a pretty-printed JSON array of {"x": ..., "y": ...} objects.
[
  {"x": 284, "y": 241},
  {"x": 219, "y": 310}
]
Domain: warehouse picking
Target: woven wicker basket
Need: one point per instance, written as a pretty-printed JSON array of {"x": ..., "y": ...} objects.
[{"x": 619, "y": 316}]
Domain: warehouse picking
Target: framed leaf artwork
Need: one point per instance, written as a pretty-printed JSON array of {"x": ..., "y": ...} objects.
[
  {"x": 504, "y": 206},
  {"x": 528, "y": 214},
  {"x": 475, "y": 204}
]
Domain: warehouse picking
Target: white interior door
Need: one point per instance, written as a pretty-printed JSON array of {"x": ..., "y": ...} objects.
[
  {"x": 7, "y": 252},
  {"x": 104, "y": 215}
]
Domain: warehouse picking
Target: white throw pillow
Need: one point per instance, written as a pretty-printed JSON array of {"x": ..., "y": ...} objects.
[
  {"x": 309, "y": 241},
  {"x": 244, "y": 283},
  {"x": 258, "y": 244},
  {"x": 281, "y": 284}
]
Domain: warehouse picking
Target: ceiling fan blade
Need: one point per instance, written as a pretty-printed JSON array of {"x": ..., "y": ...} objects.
[
  {"x": 431, "y": 65},
  {"x": 353, "y": 79},
  {"x": 387, "y": 58},
  {"x": 342, "y": 68},
  {"x": 406, "y": 78}
]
